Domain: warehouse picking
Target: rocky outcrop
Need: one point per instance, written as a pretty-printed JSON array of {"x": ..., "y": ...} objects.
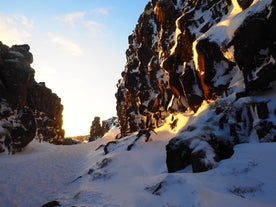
[
  {"x": 47, "y": 111},
  {"x": 98, "y": 129},
  {"x": 237, "y": 72},
  {"x": 183, "y": 54},
  {"x": 160, "y": 75},
  {"x": 27, "y": 109}
]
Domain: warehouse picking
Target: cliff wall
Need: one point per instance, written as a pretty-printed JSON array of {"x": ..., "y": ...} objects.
[
  {"x": 187, "y": 53},
  {"x": 27, "y": 109}
]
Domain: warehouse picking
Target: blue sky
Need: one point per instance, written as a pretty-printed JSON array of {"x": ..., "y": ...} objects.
[{"x": 78, "y": 48}]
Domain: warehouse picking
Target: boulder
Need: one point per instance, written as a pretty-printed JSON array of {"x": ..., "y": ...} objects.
[{"x": 201, "y": 152}]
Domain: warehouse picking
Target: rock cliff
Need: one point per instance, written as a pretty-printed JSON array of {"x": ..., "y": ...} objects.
[
  {"x": 184, "y": 54},
  {"x": 27, "y": 109},
  {"x": 97, "y": 130}
]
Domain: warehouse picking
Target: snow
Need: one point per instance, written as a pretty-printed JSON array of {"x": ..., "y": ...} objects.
[
  {"x": 16, "y": 53},
  {"x": 224, "y": 30},
  {"x": 83, "y": 175}
]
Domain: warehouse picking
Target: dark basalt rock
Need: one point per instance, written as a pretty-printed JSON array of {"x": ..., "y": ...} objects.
[
  {"x": 201, "y": 152},
  {"x": 48, "y": 112},
  {"x": 212, "y": 66},
  {"x": 254, "y": 48},
  {"x": 245, "y": 3},
  {"x": 97, "y": 129},
  {"x": 28, "y": 109},
  {"x": 51, "y": 204},
  {"x": 165, "y": 10},
  {"x": 200, "y": 162},
  {"x": 18, "y": 128},
  {"x": 178, "y": 155},
  {"x": 266, "y": 131},
  {"x": 24, "y": 131},
  {"x": 16, "y": 74},
  {"x": 108, "y": 146},
  {"x": 176, "y": 60},
  {"x": 160, "y": 67}
]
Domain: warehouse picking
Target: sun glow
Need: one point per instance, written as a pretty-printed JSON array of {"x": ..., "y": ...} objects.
[
  {"x": 76, "y": 124},
  {"x": 204, "y": 106},
  {"x": 180, "y": 120}
]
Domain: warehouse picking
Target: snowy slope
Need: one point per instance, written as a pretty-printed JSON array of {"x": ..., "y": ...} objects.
[
  {"x": 134, "y": 173},
  {"x": 82, "y": 175},
  {"x": 34, "y": 176}
]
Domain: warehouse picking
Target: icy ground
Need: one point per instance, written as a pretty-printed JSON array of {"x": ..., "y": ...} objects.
[{"x": 83, "y": 176}]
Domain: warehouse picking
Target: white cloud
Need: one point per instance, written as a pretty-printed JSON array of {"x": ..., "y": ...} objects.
[
  {"x": 102, "y": 11},
  {"x": 71, "y": 18},
  {"x": 67, "y": 44},
  {"x": 94, "y": 27},
  {"x": 15, "y": 29},
  {"x": 82, "y": 18},
  {"x": 23, "y": 20}
]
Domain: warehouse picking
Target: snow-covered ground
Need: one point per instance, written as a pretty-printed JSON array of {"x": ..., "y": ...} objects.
[{"x": 84, "y": 176}]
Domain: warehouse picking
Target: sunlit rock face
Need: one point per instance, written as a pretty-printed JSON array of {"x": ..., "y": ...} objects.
[
  {"x": 48, "y": 110},
  {"x": 184, "y": 54},
  {"x": 160, "y": 75},
  {"x": 27, "y": 108}
]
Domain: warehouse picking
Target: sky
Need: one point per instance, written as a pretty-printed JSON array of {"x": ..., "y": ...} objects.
[{"x": 78, "y": 48}]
